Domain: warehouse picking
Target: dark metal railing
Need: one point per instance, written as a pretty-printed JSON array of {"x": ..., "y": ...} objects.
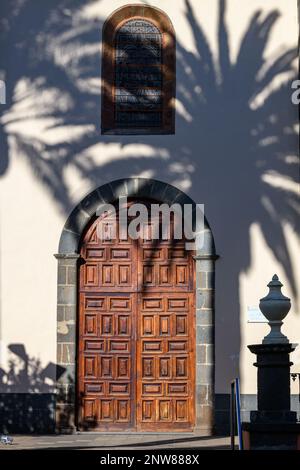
[{"x": 235, "y": 414}]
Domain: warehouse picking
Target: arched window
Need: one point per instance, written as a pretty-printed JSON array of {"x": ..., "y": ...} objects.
[{"x": 138, "y": 72}]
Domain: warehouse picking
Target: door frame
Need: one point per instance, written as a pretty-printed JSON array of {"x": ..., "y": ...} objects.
[{"x": 67, "y": 299}]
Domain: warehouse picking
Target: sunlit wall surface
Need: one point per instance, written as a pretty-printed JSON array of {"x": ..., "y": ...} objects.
[{"x": 234, "y": 150}]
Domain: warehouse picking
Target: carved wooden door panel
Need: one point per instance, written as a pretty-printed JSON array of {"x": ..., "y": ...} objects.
[
  {"x": 166, "y": 338},
  {"x": 107, "y": 329},
  {"x": 136, "y": 357}
]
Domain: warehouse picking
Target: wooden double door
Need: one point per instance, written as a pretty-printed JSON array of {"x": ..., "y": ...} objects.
[{"x": 136, "y": 354}]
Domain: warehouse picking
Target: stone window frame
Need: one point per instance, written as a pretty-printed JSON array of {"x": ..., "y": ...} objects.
[
  {"x": 67, "y": 309},
  {"x": 110, "y": 27}
]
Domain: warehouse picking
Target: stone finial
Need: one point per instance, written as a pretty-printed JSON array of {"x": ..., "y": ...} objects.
[{"x": 275, "y": 306}]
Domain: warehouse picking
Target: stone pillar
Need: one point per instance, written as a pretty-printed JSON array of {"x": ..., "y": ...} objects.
[
  {"x": 205, "y": 343},
  {"x": 66, "y": 342},
  {"x": 273, "y": 425},
  {"x": 273, "y": 383}
]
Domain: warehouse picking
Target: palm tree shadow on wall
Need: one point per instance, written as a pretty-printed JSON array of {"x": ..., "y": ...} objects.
[
  {"x": 233, "y": 130},
  {"x": 28, "y": 393}
]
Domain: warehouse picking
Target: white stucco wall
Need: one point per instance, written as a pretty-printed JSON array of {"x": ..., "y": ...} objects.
[{"x": 206, "y": 158}]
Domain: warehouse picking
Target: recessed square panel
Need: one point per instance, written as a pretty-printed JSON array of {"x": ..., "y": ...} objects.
[
  {"x": 89, "y": 409},
  {"x": 106, "y": 366},
  {"x": 91, "y": 277},
  {"x": 152, "y": 346},
  {"x": 106, "y": 324},
  {"x": 152, "y": 389},
  {"x": 154, "y": 254},
  {"x": 107, "y": 275},
  {"x": 165, "y": 275},
  {"x": 120, "y": 253},
  {"x": 175, "y": 304},
  {"x": 181, "y": 410},
  {"x": 164, "y": 325},
  {"x": 164, "y": 410},
  {"x": 124, "y": 275},
  {"x": 147, "y": 325},
  {"x": 94, "y": 388},
  {"x": 152, "y": 303},
  {"x": 177, "y": 253},
  {"x": 92, "y": 302},
  {"x": 148, "y": 367},
  {"x": 164, "y": 369},
  {"x": 93, "y": 345},
  {"x": 123, "y": 325},
  {"x": 119, "y": 388},
  {"x": 148, "y": 411},
  {"x": 123, "y": 367},
  {"x": 119, "y": 346},
  {"x": 123, "y": 411},
  {"x": 181, "y": 367},
  {"x": 177, "y": 388},
  {"x": 106, "y": 410},
  {"x": 181, "y": 275},
  {"x": 177, "y": 346},
  {"x": 95, "y": 253},
  {"x": 90, "y": 324},
  {"x": 90, "y": 366},
  {"x": 120, "y": 303},
  {"x": 148, "y": 274},
  {"x": 181, "y": 325}
]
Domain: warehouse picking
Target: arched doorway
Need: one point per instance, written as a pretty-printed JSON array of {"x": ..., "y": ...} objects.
[
  {"x": 136, "y": 361},
  {"x": 69, "y": 257}
]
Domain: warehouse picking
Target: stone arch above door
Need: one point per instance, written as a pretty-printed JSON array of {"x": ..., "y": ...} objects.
[{"x": 67, "y": 297}]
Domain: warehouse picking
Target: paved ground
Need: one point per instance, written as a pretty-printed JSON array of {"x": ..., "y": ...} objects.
[{"x": 118, "y": 441}]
